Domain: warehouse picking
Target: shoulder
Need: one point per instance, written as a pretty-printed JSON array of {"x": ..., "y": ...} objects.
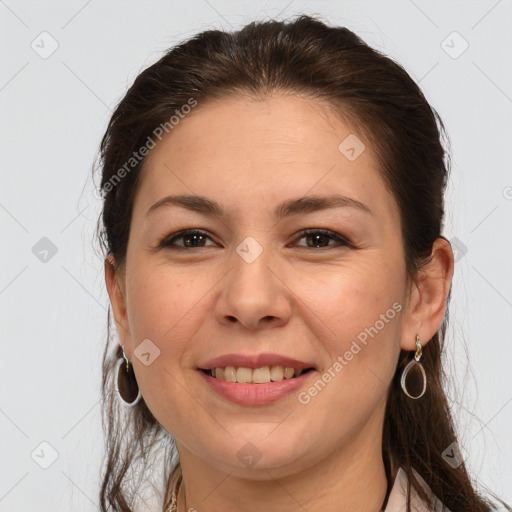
[{"x": 397, "y": 501}]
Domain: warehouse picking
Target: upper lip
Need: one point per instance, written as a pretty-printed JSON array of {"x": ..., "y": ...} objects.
[{"x": 254, "y": 361}]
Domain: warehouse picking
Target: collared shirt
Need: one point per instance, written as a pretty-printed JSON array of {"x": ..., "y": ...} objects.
[{"x": 397, "y": 501}]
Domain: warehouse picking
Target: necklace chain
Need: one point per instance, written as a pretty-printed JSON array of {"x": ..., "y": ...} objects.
[{"x": 173, "y": 507}]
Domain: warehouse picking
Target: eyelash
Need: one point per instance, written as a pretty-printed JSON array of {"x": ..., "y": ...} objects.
[{"x": 168, "y": 241}]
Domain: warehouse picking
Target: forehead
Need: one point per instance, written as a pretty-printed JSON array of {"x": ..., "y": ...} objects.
[
  {"x": 245, "y": 148},
  {"x": 285, "y": 125}
]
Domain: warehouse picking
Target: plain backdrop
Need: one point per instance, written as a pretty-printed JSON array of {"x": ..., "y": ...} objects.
[{"x": 65, "y": 65}]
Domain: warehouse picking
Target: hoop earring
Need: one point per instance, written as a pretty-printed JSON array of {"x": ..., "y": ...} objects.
[
  {"x": 126, "y": 383},
  {"x": 414, "y": 379}
]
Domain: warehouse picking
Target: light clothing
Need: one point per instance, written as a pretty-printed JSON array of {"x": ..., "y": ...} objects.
[{"x": 397, "y": 501}]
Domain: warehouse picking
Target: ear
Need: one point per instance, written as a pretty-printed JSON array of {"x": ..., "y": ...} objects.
[
  {"x": 429, "y": 296},
  {"x": 116, "y": 293}
]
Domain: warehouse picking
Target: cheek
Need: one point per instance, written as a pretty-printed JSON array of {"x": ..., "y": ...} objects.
[
  {"x": 163, "y": 299},
  {"x": 356, "y": 313},
  {"x": 348, "y": 300},
  {"x": 167, "y": 307},
  {"x": 360, "y": 322}
]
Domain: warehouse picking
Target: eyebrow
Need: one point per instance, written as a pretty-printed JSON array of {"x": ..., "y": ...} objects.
[{"x": 301, "y": 205}]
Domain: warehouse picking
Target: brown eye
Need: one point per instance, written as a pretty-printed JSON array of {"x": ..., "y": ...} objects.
[
  {"x": 320, "y": 238},
  {"x": 191, "y": 238}
]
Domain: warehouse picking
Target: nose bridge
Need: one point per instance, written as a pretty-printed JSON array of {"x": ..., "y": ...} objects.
[
  {"x": 252, "y": 262},
  {"x": 252, "y": 291}
]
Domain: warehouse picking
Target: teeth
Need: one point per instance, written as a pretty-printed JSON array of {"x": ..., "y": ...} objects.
[
  {"x": 289, "y": 373},
  {"x": 244, "y": 375},
  {"x": 229, "y": 374},
  {"x": 276, "y": 373},
  {"x": 261, "y": 375}
]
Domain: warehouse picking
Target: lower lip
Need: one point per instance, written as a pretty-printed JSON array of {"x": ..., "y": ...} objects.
[{"x": 256, "y": 394}]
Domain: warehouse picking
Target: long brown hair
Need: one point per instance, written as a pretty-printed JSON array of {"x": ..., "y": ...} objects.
[{"x": 374, "y": 93}]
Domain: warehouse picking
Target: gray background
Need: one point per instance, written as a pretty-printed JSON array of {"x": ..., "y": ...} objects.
[{"x": 53, "y": 306}]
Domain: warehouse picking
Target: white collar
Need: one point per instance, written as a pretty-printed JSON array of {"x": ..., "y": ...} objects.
[{"x": 397, "y": 501}]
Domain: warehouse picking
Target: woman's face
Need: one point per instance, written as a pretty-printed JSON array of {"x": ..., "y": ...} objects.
[{"x": 253, "y": 283}]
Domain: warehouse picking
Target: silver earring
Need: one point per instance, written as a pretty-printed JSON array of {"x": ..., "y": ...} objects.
[
  {"x": 414, "y": 379},
  {"x": 126, "y": 383}
]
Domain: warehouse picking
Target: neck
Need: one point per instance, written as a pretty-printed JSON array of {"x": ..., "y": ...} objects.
[{"x": 351, "y": 478}]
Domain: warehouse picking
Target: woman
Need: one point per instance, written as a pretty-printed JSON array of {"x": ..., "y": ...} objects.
[{"x": 272, "y": 223}]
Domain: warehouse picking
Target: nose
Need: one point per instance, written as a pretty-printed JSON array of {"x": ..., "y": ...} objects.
[{"x": 254, "y": 294}]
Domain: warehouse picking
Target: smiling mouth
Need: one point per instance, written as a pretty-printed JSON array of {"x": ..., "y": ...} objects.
[{"x": 262, "y": 375}]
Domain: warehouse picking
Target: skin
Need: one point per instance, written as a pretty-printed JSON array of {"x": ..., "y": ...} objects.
[{"x": 295, "y": 299}]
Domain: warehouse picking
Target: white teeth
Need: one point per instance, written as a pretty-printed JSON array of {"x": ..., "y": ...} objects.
[
  {"x": 261, "y": 375},
  {"x": 288, "y": 373},
  {"x": 244, "y": 375},
  {"x": 230, "y": 374},
  {"x": 277, "y": 373}
]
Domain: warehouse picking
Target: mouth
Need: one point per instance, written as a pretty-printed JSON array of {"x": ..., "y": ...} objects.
[
  {"x": 263, "y": 385},
  {"x": 261, "y": 375}
]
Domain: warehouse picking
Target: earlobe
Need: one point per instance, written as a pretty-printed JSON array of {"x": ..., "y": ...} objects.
[
  {"x": 429, "y": 296},
  {"x": 117, "y": 301}
]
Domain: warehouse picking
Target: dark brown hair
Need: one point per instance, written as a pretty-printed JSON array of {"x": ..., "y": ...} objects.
[{"x": 303, "y": 56}]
